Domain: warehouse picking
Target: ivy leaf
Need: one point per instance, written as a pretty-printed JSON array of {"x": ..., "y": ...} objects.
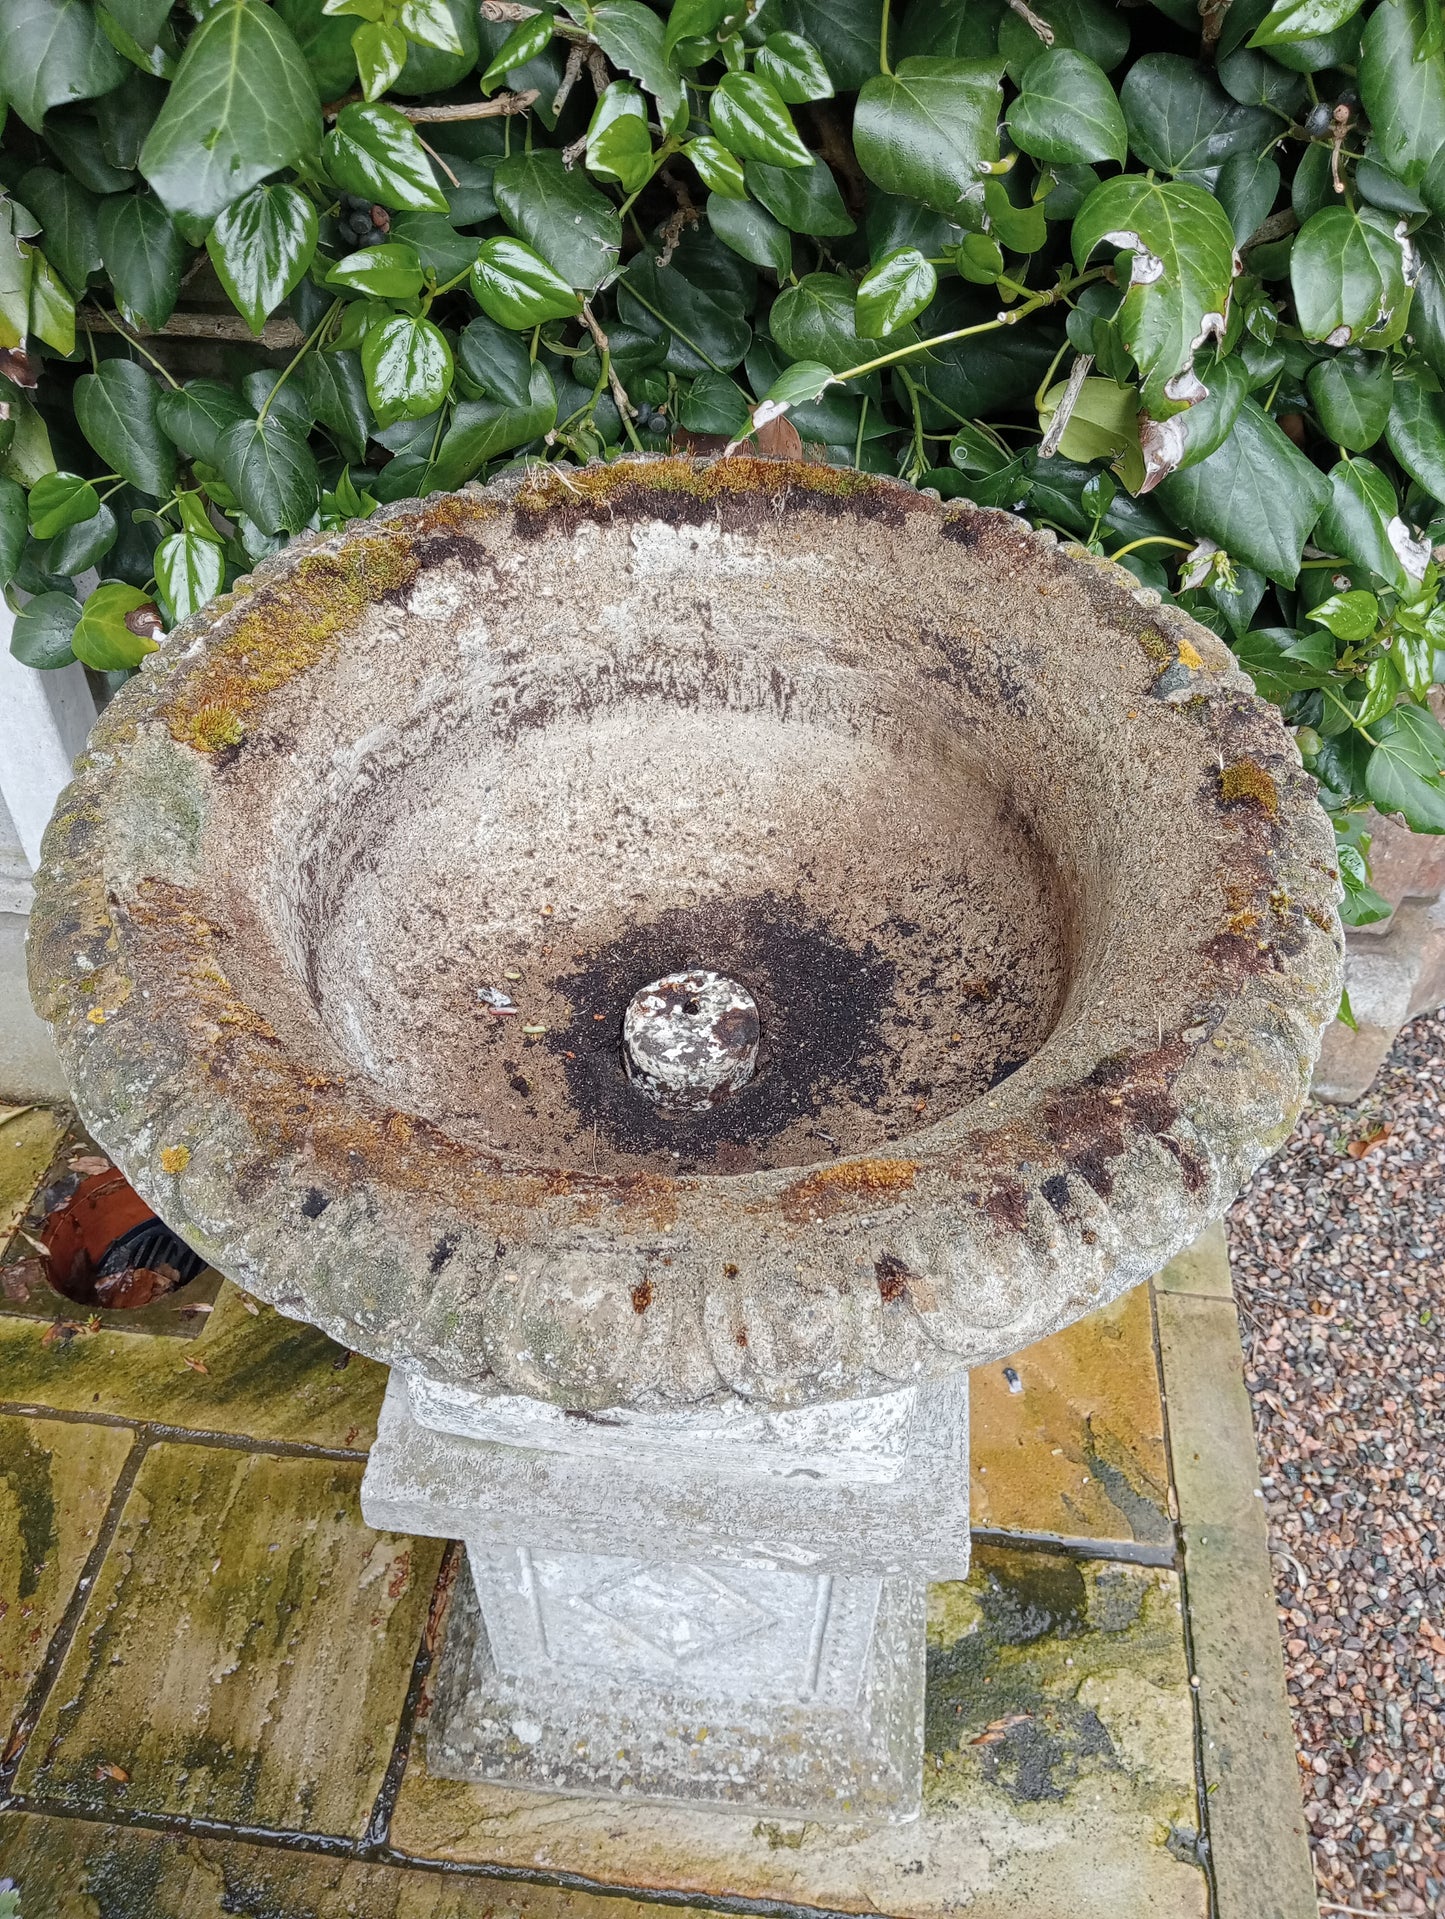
[
  {"x": 144, "y": 256},
  {"x": 797, "y": 385},
  {"x": 816, "y": 320},
  {"x": 619, "y": 145},
  {"x": 1351, "y": 616},
  {"x": 82, "y": 546},
  {"x": 335, "y": 390},
  {"x": 1402, "y": 85},
  {"x": 1347, "y": 274},
  {"x": 270, "y": 469},
  {"x": 632, "y": 37},
  {"x": 1257, "y": 496},
  {"x": 526, "y": 40},
  {"x": 1361, "y": 522},
  {"x": 1289, "y": 20},
  {"x": 13, "y": 526},
  {"x": 751, "y": 120},
  {"x": 60, "y": 500},
  {"x": 1417, "y": 432},
  {"x": 845, "y": 32},
  {"x": 189, "y": 571},
  {"x": 1281, "y": 664},
  {"x": 15, "y": 271},
  {"x": 794, "y": 68},
  {"x": 372, "y": 151},
  {"x": 482, "y": 430},
  {"x": 1351, "y": 392},
  {"x": 561, "y": 214},
  {"x": 751, "y": 233},
  {"x": 721, "y": 172},
  {"x": 66, "y": 212},
  {"x": 408, "y": 368},
  {"x": 714, "y": 403},
  {"x": 702, "y": 330},
  {"x": 243, "y": 104},
  {"x": 380, "y": 52},
  {"x": 101, "y": 638},
  {"x": 324, "y": 41},
  {"x": 925, "y": 130},
  {"x": 390, "y": 272},
  {"x": 431, "y": 24},
  {"x": 1184, "y": 439},
  {"x": 1181, "y": 120},
  {"x": 117, "y": 409},
  {"x": 195, "y": 416},
  {"x": 1091, "y": 28},
  {"x": 893, "y": 291},
  {"x": 516, "y": 287},
  {"x": 496, "y": 362},
  {"x": 53, "y": 51},
  {"x": 43, "y": 627},
  {"x": 52, "y": 311},
  {"x": 1247, "y": 187},
  {"x": 1403, "y": 774},
  {"x": 804, "y": 199},
  {"x": 1182, "y": 270},
  {"x": 260, "y": 247},
  {"x": 1066, "y": 111}
]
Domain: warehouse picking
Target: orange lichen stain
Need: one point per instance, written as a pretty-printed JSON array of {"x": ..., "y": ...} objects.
[
  {"x": 840, "y": 1188},
  {"x": 175, "y": 1159},
  {"x": 285, "y": 627},
  {"x": 642, "y": 1296},
  {"x": 1247, "y": 783},
  {"x": 1188, "y": 656}
]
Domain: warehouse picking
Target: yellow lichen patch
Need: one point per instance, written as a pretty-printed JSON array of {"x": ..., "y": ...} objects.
[
  {"x": 836, "y": 1189},
  {"x": 287, "y": 626},
  {"x": 175, "y": 1159},
  {"x": 1246, "y": 782},
  {"x": 1154, "y": 646},
  {"x": 1188, "y": 656}
]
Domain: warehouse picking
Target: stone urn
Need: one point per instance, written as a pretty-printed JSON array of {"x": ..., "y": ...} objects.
[{"x": 683, "y": 960}]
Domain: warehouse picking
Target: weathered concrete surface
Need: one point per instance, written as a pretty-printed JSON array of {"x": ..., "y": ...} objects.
[
  {"x": 73, "y": 1869},
  {"x": 1258, "y": 1838},
  {"x": 244, "y": 1652},
  {"x": 1058, "y": 1778},
  {"x": 55, "y": 1485},
  {"x": 260, "y": 931},
  {"x": 29, "y": 1136},
  {"x": 1078, "y": 1448}
]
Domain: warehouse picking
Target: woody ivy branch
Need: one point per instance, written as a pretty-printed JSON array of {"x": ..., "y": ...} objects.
[{"x": 1168, "y": 278}]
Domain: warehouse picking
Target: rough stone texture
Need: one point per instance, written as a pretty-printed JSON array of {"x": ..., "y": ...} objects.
[
  {"x": 55, "y": 1485},
  {"x": 29, "y": 1136},
  {"x": 1078, "y": 1449},
  {"x": 72, "y": 1869},
  {"x": 279, "y": 1705},
  {"x": 1058, "y": 1781},
  {"x": 1391, "y": 976},
  {"x": 424, "y": 753}
]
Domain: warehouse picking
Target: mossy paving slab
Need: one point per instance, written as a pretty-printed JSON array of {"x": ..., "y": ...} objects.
[
  {"x": 1058, "y": 1777},
  {"x": 28, "y": 1138},
  {"x": 66, "y": 1869},
  {"x": 56, "y": 1481},
  {"x": 1079, "y": 1449},
  {"x": 266, "y": 1377},
  {"x": 245, "y": 1652}
]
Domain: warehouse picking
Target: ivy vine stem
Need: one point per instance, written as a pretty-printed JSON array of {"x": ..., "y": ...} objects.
[{"x": 114, "y": 321}]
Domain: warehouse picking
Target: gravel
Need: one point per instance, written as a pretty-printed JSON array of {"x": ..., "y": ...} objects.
[{"x": 1337, "y": 1258}]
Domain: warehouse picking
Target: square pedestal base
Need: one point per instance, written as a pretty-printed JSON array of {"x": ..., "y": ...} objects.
[{"x": 849, "y": 1752}]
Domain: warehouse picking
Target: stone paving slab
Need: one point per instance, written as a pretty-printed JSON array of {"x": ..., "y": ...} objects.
[
  {"x": 56, "y": 1480},
  {"x": 1058, "y": 1776},
  {"x": 1079, "y": 1449},
  {"x": 244, "y": 1654},
  {"x": 29, "y": 1136},
  {"x": 266, "y": 1377},
  {"x": 69, "y": 1869}
]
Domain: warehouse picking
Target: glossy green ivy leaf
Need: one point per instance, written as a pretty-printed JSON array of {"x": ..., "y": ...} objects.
[
  {"x": 373, "y": 151},
  {"x": 1289, "y": 20},
  {"x": 260, "y": 247},
  {"x": 1066, "y": 111},
  {"x": 195, "y": 416},
  {"x": 1403, "y": 774},
  {"x": 391, "y": 271},
  {"x": 704, "y": 328},
  {"x": 189, "y": 571},
  {"x": 845, "y": 32},
  {"x": 335, "y": 390},
  {"x": 101, "y": 637},
  {"x": 483, "y": 430},
  {"x": 1351, "y": 393},
  {"x": 51, "y": 52},
  {"x": 1256, "y": 495},
  {"x": 1417, "y": 432},
  {"x": 893, "y": 291},
  {"x": 619, "y": 145},
  {"x": 41, "y": 635},
  {"x": 1247, "y": 188},
  {"x": 1180, "y": 120},
  {"x": 1361, "y": 521},
  {"x": 1350, "y": 616},
  {"x": 408, "y": 368},
  {"x": 755, "y": 235},
  {"x": 714, "y": 403},
  {"x": 804, "y": 199},
  {"x": 632, "y": 37},
  {"x": 720, "y": 171},
  {"x": 925, "y": 130},
  {"x": 272, "y": 472},
  {"x": 526, "y": 40},
  {"x": 380, "y": 53},
  {"x": 494, "y": 364},
  {"x": 325, "y": 43},
  {"x": 1402, "y": 85},
  {"x": 1182, "y": 248},
  {"x": 144, "y": 257},
  {"x": 60, "y": 500},
  {"x": 559, "y": 213},
  {"x": 432, "y": 67},
  {"x": 14, "y": 524},
  {"x": 794, "y": 68},
  {"x": 52, "y": 311},
  {"x": 243, "y": 104},
  {"x": 1347, "y": 273},
  {"x": 752, "y": 121},
  {"x": 1098, "y": 31},
  {"x": 517, "y": 288},
  {"x": 67, "y": 215},
  {"x": 816, "y": 320},
  {"x": 117, "y": 409}
]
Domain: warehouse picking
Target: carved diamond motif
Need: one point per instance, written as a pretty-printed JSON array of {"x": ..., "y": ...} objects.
[{"x": 682, "y": 1612}]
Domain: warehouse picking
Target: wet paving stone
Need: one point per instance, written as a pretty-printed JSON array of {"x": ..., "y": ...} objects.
[
  {"x": 244, "y": 1654},
  {"x": 1077, "y": 1447},
  {"x": 56, "y": 1481},
  {"x": 66, "y": 1869},
  {"x": 1058, "y": 1776}
]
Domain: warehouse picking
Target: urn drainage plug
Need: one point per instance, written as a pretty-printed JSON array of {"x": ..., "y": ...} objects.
[{"x": 690, "y": 1040}]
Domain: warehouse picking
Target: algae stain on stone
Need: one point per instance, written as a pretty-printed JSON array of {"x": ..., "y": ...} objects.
[{"x": 26, "y": 1474}]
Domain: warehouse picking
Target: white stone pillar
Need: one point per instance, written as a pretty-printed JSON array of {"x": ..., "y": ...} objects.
[{"x": 722, "y": 1607}]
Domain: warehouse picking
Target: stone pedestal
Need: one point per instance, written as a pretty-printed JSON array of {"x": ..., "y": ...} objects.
[{"x": 715, "y": 1608}]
